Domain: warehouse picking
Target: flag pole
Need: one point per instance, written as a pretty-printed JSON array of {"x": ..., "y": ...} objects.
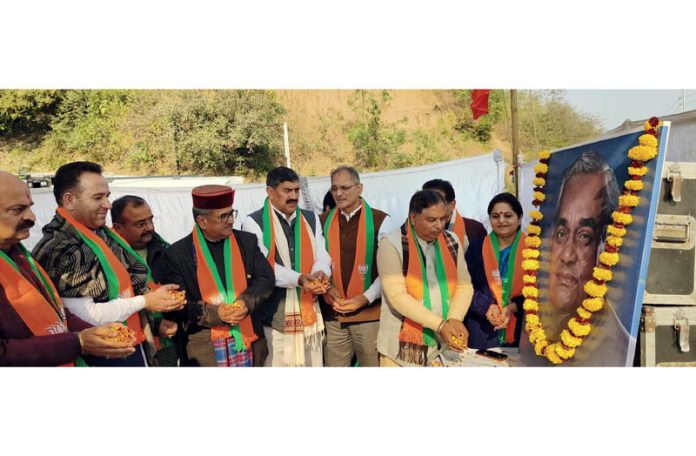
[{"x": 515, "y": 139}]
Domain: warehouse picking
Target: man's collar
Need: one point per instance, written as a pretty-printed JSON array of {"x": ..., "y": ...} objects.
[
  {"x": 281, "y": 214},
  {"x": 350, "y": 215}
]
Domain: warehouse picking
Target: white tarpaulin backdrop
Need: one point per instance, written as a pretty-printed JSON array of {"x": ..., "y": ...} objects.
[{"x": 475, "y": 180}]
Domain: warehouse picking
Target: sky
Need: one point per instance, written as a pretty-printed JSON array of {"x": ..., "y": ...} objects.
[{"x": 615, "y": 106}]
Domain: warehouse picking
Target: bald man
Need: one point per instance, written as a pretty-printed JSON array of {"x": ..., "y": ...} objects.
[{"x": 35, "y": 328}]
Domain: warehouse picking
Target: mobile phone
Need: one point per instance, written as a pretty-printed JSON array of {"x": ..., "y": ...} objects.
[{"x": 492, "y": 355}]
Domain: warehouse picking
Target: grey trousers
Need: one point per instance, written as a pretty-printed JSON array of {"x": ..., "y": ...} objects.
[{"x": 343, "y": 340}]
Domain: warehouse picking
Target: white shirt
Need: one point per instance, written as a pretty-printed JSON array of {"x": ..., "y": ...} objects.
[
  {"x": 286, "y": 277},
  {"x": 101, "y": 313},
  {"x": 375, "y": 290}
]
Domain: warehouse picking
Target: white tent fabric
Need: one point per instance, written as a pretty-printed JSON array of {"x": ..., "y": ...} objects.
[{"x": 475, "y": 180}]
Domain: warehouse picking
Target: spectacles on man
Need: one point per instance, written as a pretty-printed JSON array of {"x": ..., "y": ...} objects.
[
  {"x": 343, "y": 188},
  {"x": 225, "y": 217}
]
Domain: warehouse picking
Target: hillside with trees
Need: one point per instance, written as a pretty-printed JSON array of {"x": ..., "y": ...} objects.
[{"x": 240, "y": 132}]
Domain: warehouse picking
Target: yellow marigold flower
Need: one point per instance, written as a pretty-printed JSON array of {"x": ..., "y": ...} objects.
[
  {"x": 530, "y": 292},
  {"x": 531, "y": 327},
  {"x": 539, "y": 181},
  {"x": 642, "y": 153},
  {"x": 570, "y": 340},
  {"x": 537, "y": 335},
  {"x": 635, "y": 185},
  {"x": 530, "y": 304},
  {"x": 540, "y": 346},
  {"x": 544, "y": 154},
  {"x": 529, "y": 278},
  {"x": 532, "y": 241},
  {"x": 582, "y": 313},
  {"x": 528, "y": 254},
  {"x": 647, "y": 140},
  {"x": 647, "y": 125},
  {"x": 533, "y": 230},
  {"x": 578, "y": 329},
  {"x": 592, "y": 304},
  {"x": 614, "y": 231},
  {"x": 532, "y": 319},
  {"x": 614, "y": 241},
  {"x": 620, "y": 217},
  {"x": 629, "y": 200},
  {"x": 563, "y": 353},
  {"x": 541, "y": 168},
  {"x": 551, "y": 355},
  {"x": 594, "y": 290},
  {"x": 642, "y": 171},
  {"x": 530, "y": 265},
  {"x": 602, "y": 274},
  {"x": 610, "y": 259},
  {"x": 539, "y": 196},
  {"x": 536, "y": 215}
]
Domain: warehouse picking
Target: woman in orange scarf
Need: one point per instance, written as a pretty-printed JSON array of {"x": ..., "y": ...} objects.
[{"x": 494, "y": 318}]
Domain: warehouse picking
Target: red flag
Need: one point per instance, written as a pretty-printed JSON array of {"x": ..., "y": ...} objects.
[{"x": 479, "y": 102}]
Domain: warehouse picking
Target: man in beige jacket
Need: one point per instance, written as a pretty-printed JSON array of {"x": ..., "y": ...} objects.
[{"x": 421, "y": 317}]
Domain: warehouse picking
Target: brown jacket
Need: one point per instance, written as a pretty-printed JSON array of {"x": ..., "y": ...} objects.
[{"x": 349, "y": 235}]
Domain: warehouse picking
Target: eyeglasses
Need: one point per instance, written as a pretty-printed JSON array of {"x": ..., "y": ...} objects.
[
  {"x": 343, "y": 188},
  {"x": 227, "y": 216}
]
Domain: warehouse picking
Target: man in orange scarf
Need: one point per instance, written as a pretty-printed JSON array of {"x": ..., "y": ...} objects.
[
  {"x": 427, "y": 288},
  {"x": 226, "y": 279},
  {"x": 35, "y": 328},
  {"x": 133, "y": 220},
  {"x": 292, "y": 241},
  {"x": 96, "y": 278},
  {"x": 352, "y": 306}
]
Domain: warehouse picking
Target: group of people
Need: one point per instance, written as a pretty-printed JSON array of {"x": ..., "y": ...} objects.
[{"x": 291, "y": 288}]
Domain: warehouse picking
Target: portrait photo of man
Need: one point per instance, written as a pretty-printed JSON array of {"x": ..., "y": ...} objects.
[{"x": 587, "y": 195}]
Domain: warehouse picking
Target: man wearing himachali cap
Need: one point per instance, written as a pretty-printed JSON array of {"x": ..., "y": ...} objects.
[{"x": 225, "y": 277}]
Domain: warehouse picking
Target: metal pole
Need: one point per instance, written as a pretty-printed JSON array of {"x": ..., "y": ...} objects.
[
  {"x": 287, "y": 144},
  {"x": 515, "y": 138}
]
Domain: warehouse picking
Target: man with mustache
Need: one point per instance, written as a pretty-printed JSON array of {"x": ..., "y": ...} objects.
[
  {"x": 96, "y": 277},
  {"x": 35, "y": 328},
  {"x": 133, "y": 220},
  {"x": 291, "y": 239},
  {"x": 588, "y": 195}
]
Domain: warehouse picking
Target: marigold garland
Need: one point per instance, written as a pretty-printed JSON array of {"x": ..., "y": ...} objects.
[
  {"x": 579, "y": 327},
  {"x": 633, "y": 185},
  {"x": 530, "y": 254},
  {"x": 621, "y": 217},
  {"x": 534, "y": 230},
  {"x": 616, "y": 231},
  {"x": 610, "y": 259},
  {"x": 629, "y": 200},
  {"x": 529, "y": 278},
  {"x": 532, "y": 241},
  {"x": 602, "y": 274}
]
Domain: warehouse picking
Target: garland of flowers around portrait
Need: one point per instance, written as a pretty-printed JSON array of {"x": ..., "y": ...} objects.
[{"x": 579, "y": 327}]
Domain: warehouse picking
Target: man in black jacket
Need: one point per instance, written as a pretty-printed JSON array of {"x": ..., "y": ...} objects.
[
  {"x": 132, "y": 218},
  {"x": 212, "y": 254}
]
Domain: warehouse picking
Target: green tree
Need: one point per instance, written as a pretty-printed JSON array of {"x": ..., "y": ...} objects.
[
  {"x": 27, "y": 111},
  {"x": 223, "y": 131},
  {"x": 373, "y": 139},
  {"x": 481, "y": 128}
]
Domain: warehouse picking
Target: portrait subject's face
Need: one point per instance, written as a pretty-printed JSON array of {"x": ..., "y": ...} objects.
[
  {"x": 431, "y": 222},
  {"x": 576, "y": 236}
]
